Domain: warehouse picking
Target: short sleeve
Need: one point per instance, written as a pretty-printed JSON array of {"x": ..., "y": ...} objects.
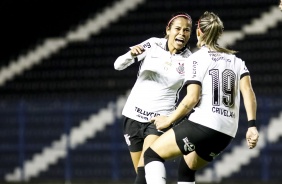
[
  {"x": 147, "y": 45},
  {"x": 243, "y": 69},
  {"x": 193, "y": 72}
]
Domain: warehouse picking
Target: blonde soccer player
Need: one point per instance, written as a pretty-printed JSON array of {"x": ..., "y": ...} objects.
[{"x": 215, "y": 77}]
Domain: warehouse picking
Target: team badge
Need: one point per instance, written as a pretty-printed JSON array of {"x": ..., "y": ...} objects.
[
  {"x": 180, "y": 68},
  {"x": 188, "y": 146},
  {"x": 126, "y": 136}
]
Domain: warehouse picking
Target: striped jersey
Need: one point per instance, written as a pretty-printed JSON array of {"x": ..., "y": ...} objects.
[
  {"x": 159, "y": 81},
  {"x": 219, "y": 75}
]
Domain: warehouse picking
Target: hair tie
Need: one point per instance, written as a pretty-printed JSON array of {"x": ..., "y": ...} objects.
[{"x": 181, "y": 15}]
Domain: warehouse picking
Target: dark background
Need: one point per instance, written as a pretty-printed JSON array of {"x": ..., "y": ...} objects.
[{"x": 46, "y": 101}]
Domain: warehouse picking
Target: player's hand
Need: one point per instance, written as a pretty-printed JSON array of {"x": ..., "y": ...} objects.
[
  {"x": 137, "y": 50},
  {"x": 252, "y": 137},
  {"x": 161, "y": 122}
]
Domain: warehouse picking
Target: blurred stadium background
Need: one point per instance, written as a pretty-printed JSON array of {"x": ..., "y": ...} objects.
[{"x": 61, "y": 98}]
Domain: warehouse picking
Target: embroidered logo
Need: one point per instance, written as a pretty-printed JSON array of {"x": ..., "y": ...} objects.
[
  {"x": 213, "y": 155},
  {"x": 126, "y": 136},
  {"x": 188, "y": 146},
  {"x": 180, "y": 68}
]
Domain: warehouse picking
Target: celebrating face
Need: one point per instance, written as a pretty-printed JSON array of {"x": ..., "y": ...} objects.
[{"x": 178, "y": 34}]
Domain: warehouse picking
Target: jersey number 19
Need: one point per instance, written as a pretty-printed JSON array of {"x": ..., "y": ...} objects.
[{"x": 228, "y": 84}]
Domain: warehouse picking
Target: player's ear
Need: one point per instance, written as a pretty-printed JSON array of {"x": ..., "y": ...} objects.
[
  {"x": 167, "y": 30},
  {"x": 198, "y": 32}
]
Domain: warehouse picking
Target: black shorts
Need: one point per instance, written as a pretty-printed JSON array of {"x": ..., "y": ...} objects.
[
  {"x": 207, "y": 143},
  {"x": 135, "y": 132}
]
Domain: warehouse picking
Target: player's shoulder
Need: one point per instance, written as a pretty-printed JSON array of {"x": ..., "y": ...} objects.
[
  {"x": 158, "y": 41},
  {"x": 197, "y": 54},
  {"x": 237, "y": 61},
  {"x": 152, "y": 41}
]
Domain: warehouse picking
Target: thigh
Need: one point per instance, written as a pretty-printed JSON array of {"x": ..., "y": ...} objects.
[
  {"x": 135, "y": 157},
  {"x": 150, "y": 129},
  {"x": 150, "y": 134},
  {"x": 149, "y": 140},
  {"x": 165, "y": 146},
  {"x": 132, "y": 134},
  {"x": 206, "y": 142}
]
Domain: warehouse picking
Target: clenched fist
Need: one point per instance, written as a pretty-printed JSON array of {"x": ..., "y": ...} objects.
[
  {"x": 137, "y": 50},
  {"x": 252, "y": 137}
]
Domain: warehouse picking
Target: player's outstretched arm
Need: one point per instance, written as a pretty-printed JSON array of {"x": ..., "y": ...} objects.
[
  {"x": 127, "y": 59},
  {"x": 184, "y": 107}
]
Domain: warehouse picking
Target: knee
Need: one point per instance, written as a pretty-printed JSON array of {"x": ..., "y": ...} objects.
[
  {"x": 193, "y": 167},
  {"x": 195, "y": 162},
  {"x": 150, "y": 155}
]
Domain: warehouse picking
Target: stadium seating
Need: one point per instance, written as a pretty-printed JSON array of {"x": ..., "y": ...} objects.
[{"x": 63, "y": 91}]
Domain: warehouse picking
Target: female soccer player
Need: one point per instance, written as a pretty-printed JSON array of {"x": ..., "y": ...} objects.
[
  {"x": 156, "y": 90},
  {"x": 215, "y": 77}
]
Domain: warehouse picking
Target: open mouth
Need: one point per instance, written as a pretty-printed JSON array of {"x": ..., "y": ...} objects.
[{"x": 179, "y": 40}]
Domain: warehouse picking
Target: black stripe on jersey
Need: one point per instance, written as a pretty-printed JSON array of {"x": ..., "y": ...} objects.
[
  {"x": 193, "y": 82},
  {"x": 166, "y": 46},
  {"x": 177, "y": 94},
  {"x": 244, "y": 74},
  {"x": 136, "y": 59}
]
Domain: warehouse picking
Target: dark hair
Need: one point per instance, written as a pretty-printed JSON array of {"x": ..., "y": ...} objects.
[
  {"x": 179, "y": 14},
  {"x": 176, "y": 15}
]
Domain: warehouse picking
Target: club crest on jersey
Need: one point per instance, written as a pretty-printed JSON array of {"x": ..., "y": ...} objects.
[
  {"x": 188, "y": 146},
  {"x": 180, "y": 68},
  {"x": 127, "y": 140}
]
